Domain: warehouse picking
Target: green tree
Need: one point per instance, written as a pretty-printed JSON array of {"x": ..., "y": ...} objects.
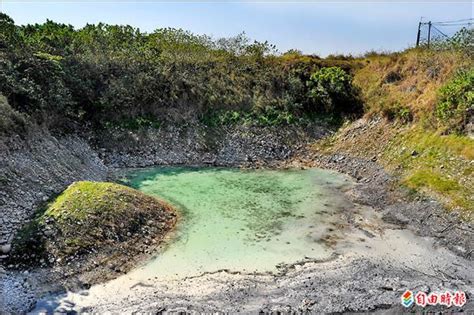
[{"x": 8, "y": 32}]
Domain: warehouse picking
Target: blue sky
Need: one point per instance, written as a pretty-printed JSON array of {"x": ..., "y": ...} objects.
[{"x": 311, "y": 26}]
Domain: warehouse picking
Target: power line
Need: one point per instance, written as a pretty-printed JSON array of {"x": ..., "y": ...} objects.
[
  {"x": 446, "y": 23},
  {"x": 455, "y": 21},
  {"x": 434, "y": 32},
  {"x": 459, "y": 24},
  {"x": 440, "y": 31}
]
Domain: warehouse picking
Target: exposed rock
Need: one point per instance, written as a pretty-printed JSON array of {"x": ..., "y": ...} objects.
[
  {"x": 48, "y": 232},
  {"x": 5, "y": 249},
  {"x": 200, "y": 145}
]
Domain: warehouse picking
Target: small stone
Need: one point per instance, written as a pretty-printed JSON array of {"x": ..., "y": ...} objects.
[{"x": 5, "y": 249}]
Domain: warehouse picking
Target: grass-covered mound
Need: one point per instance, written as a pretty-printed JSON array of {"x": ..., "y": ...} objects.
[{"x": 91, "y": 224}]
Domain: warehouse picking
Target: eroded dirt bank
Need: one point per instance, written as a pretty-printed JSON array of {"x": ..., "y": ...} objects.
[{"x": 379, "y": 258}]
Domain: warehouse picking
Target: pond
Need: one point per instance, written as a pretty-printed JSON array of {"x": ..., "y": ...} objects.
[{"x": 243, "y": 220}]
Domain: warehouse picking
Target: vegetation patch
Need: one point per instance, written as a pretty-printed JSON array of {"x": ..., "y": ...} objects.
[
  {"x": 435, "y": 163},
  {"x": 456, "y": 102},
  {"x": 270, "y": 117},
  {"x": 89, "y": 221},
  {"x": 423, "y": 160},
  {"x": 433, "y": 180},
  {"x": 11, "y": 121},
  {"x": 413, "y": 86}
]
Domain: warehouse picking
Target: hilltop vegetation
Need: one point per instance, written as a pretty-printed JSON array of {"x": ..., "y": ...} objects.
[
  {"x": 431, "y": 87},
  {"x": 104, "y": 76},
  {"x": 108, "y": 75}
]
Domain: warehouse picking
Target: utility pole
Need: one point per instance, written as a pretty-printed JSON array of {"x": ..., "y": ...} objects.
[
  {"x": 418, "y": 34},
  {"x": 429, "y": 33}
]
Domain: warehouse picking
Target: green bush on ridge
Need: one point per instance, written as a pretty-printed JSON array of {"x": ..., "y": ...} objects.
[
  {"x": 332, "y": 91},
  {"x": 111, "y": 75},
  {"x": 456, "y": 101}
]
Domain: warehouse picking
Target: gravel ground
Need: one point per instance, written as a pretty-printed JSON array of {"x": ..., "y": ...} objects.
[{"x": 423, "y": 215}]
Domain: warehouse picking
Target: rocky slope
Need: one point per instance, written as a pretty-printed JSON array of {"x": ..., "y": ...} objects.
[
  {"x": 33, "y": 169},
  {"x": 198, "y": 144}
]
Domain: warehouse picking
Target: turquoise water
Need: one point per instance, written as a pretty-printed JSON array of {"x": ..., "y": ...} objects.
[{"x": 242, "y": 220}]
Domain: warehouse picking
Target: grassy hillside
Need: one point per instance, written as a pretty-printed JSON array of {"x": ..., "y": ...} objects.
[
  {"x": 405, "y": 85},
  {"x": 425, "y": 98}
]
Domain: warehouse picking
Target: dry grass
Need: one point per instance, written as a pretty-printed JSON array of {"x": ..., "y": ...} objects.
[{"x": 404, "y": 85}]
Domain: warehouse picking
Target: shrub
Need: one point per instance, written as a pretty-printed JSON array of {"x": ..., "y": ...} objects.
[
  {"x": 456, "y": 102},
  {"x": 331, "y": 91},
  {"x": 462, "y": 40},
  {"x": 398, "y": 112},
  {"x": 11, "y": 121},
  {"x": 107, "y": 75},
  {"x": 266, "y": 117}
]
